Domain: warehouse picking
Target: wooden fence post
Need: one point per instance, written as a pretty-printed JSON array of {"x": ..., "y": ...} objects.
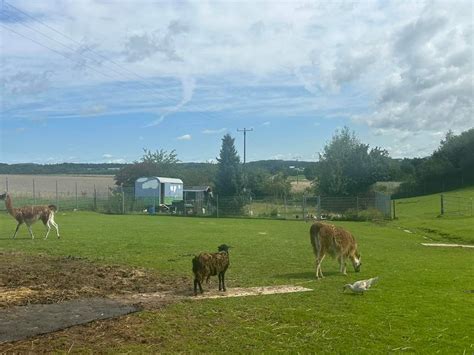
[{"x": 442, "y": 204}]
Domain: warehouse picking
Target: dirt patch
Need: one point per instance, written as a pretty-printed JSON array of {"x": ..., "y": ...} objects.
[
  {"x": 31, "y": 279},
  {"x": 92, "y": 337}
]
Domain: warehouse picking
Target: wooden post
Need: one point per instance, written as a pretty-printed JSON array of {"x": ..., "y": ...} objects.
[
  {"x": 34, "y": 194},
  {"x": 217, "y": 206},
  {"x": 95, "y": 199},
  {"x": 394, "y": 209},
  {"x": 123, "y": 199},
  {"x": 442, "y": 204},
  {"x": 76, "y": 196}
]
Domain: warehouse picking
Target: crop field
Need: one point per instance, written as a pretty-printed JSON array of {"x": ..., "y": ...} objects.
[
  {"x": 44, "y": 186},
  {"x": 423, "y": 302}
]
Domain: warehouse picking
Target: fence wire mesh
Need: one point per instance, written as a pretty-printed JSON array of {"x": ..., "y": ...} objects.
[
  {"x": 453, "y": 204},
  {"x": 78, "y": 195}
]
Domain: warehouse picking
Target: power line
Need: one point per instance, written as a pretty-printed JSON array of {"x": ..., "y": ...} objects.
[
  {"x": 74, "y": 51},
  {"x": 144, "y": 81}
]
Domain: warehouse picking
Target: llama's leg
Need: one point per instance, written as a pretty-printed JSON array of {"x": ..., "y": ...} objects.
[
  {"x": 219, "y": 276},
  {"x": 48, "y": 228},
  {"x": 16, "y": 230},
  {"x": 223, "y": 283},
  {"x": 55, "y": 225},
  {"x": 31, "y": 232},
  {"x": 342, "y": 264},
  {"x": 319, "y": 272}
]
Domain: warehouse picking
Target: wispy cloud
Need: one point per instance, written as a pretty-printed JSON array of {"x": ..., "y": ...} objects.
[
  {"x": 214, "y": 131},
  {"x": 185, "y": 137}
]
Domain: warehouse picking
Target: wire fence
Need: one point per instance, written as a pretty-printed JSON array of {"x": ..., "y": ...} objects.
[
  {"x": 119, "y": 200},
  {"x": 453, "y": 204}
]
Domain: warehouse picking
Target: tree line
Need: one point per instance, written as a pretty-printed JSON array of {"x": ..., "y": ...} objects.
[{"x": 346, "y": 167}]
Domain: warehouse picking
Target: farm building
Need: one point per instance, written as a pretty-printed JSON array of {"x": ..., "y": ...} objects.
[{"x": 163, "y": 190}]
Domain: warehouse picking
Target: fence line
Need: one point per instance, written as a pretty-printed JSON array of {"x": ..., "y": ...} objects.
[
  {"x": 454, "y": 204},
  {"x": 119, "y": 200}
]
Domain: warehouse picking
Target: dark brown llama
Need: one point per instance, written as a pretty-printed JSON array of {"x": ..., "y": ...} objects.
[{"x": 30, "y": 214}]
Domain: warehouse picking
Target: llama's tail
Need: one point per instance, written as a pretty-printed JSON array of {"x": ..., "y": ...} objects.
[
  {"x": 53, "y": 208},
  {"x": 314, "y": 236}
]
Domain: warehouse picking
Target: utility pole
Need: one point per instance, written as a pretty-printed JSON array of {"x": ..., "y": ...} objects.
[{"x": 245, "y": 130}]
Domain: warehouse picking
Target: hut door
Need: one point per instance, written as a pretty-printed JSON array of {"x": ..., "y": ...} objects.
[{"x": 162, "y": 193}]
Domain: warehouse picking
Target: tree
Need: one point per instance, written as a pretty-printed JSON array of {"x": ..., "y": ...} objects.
[
  {"x": 158, "y": 163},
  {"x": 348, "y": 167},
  {"x": 229, "y": 180}
]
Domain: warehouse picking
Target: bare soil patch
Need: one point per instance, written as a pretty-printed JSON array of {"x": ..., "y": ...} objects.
[
  {"x": 31, "y": 279},
  {"x": 79, "y": 295}
]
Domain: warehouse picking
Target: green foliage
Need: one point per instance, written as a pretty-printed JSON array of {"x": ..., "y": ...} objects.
[
  {"x": 450, "y": 166},
  {"x": 229, "y": 180},
  {"x": 277, "y": 186},
  {"x": 256, "y": 180},
  {"x": 348, "y": 167},
  {"x": 158, "y": 163},
  {"x": 159, "y": 157}
]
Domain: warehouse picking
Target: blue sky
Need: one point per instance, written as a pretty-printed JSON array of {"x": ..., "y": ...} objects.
[{"x": 97, "y": 81}]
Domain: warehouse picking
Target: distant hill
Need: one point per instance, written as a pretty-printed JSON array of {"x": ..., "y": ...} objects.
[
  {"x": 272, "y": 166},
  {"x": 63, "y": 168}
]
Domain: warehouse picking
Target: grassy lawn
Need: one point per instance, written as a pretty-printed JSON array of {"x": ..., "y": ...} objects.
[
  {"x": 419, "y": 305},
  {"x": 422, "y": 215}
]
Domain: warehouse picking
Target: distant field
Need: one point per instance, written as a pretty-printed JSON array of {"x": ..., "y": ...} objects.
[
  {"x": 45, "y": 185},
  {"x": 423, "y": 302}
]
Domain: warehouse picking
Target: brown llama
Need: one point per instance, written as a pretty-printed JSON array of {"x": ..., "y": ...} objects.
[
  {"x": 329, "y": 239},
  {"x": 30, "y": 214}
]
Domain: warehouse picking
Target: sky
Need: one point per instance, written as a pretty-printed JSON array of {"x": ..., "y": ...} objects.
[{"x": 98, "y": 80}]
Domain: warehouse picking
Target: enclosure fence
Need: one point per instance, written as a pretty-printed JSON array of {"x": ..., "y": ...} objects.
[
  {"x": 120, "y": 200},
  {"x": 454, "y": 204}
]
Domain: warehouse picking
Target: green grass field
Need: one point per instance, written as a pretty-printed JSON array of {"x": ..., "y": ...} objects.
[{"x": 420, "y": 304}]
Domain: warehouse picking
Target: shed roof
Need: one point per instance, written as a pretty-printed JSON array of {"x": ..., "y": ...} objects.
[{"x": 162, "y": 179}]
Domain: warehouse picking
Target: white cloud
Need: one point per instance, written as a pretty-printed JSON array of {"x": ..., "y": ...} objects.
[
  {"x": 214, "y": 131},
  {"x": 266, "y": 123},
  {"x": 185, "y": 137},
  {"x": 108, "y": 156},
  {"x": 391, "y": 66}
]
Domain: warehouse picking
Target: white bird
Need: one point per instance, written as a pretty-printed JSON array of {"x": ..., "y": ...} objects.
[{"x": 360, "y": 286}]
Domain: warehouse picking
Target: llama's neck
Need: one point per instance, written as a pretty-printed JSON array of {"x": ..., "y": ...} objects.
[{"x": 9, "y": 205}]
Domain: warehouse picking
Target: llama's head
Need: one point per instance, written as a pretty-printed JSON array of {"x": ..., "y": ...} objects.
[
  {"x": 3, "y": 196},
  {"x": 223, "y": 247}
]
